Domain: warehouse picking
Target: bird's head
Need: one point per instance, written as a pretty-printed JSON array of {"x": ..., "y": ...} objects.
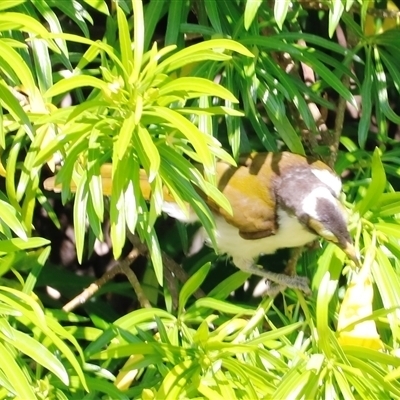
[{"x": 313, "y": 196}]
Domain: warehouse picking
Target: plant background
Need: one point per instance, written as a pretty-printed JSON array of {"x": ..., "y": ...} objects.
[{"x": 157, "y": 84}]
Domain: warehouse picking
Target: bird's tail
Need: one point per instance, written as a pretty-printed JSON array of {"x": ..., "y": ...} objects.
[
  {"x": 106, "y": 180},
  {"x": 169, "y": 204}
]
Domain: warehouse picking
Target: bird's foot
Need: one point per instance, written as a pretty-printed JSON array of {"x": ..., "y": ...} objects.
[
  {"x": 285, "y": 281},
  {"x": 273, "y": 289},
  {"x": 279, "y": 282}
]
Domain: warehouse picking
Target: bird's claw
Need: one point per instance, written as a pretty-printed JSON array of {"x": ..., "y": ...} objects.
[
  {"x": 294, "y": 282},
  {"x": 299, "y": 282},
  {"x": 279, "y": 281}
]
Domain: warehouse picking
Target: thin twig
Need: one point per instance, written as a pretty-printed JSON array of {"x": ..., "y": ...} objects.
[
  {"x": 168, "y": 263},
  {"x": 123, "y": 267},
  {"x": 295, "y": 254},
  {"x": 348, "y": 42}
]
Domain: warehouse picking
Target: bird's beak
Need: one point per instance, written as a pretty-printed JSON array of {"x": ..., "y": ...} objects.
[{"x": 352, "y": 253}]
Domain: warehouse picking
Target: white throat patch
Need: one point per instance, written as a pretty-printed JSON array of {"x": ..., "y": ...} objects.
[{"x": 329, "y": 179}]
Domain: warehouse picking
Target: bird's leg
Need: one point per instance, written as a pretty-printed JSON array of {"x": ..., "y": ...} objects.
[
  {"x": 295, "y": 254},
  {"x": 281, "y": 280},
  {"x": 290, "y": 270}
]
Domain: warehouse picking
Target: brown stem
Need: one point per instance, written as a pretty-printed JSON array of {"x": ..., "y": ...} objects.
[
  {"x": 169, "y": 264},
  {"x": 123, "y": 267}
]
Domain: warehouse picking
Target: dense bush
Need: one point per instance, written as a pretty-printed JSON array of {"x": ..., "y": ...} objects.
[{"x": 156, "y": 85}]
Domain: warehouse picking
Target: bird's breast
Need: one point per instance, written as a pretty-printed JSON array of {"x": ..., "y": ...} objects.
[{"x": 289, "y": 234}]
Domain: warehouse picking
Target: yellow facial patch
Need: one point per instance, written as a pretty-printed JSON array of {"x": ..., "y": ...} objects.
[{"x": 321, "y": 230}]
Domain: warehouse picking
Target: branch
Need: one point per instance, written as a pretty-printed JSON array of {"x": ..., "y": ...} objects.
[
  {"x": 123, "y": 267},
  {"x": 169, "y": 264}
]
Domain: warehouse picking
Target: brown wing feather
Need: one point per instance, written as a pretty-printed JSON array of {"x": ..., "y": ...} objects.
[{"x": 248, "y": 189}]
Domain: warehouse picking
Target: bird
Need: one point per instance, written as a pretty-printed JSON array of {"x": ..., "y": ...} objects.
[{"x": 278, "y": 200}]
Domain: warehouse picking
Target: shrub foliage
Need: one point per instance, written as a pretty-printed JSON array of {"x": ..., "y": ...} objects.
[{"x": 159, "y": 84}]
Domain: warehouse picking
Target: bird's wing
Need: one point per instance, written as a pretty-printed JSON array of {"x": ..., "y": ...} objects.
[{"x": 251, "y": 198}]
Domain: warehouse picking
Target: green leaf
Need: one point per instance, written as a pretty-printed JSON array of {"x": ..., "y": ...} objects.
[
  {"x": 15, "y": 375},
  {"x": 26, "y": 24},
  {"x": 377, "y": 186},
  {"x": 154, "y": 10},
  {"x": 280, "y": 11},
  {"x": 326, "y": 291},
  {"x": 125, "y": 136},
  {"x": 289, "y": 84},
  {"x": 41, "y": 257},
  {"x": 291, "y": 383},
  {"x": 252, "y": 377},
  {"x": 343, "y": 383},
  {"x": 135, "y": 318},
  {"x": 251, "y": 9},
  {"x": 389, "y": 229},
  {"x": 17, "y": 244},
  {"x": 196, "y": 87},
  {"x": 76, "y": 12},
  {"x": 12, "y": 168},
  {"x": 37, "y": 352},
  {"x": 207, "y": 50},
  {"x": 99, "y": 5},
  {"x": 364, "y": 353},
  {"x": 75, "y": 82},
  {"x": 139, "y": 32},
  {"x": 43, "y": 69},
  {"x": 10, "y": 217},
  {"x": 10, "y": 103},
  {"x": 2, "y": 131},
  {"x": 276, "y": 111},
  {"x": 265, "y": 136},
  {"x": 155, "y": 252},
  {"x": 193, "y": 134},
  {"x": 222, "y": 306},
  {"x": 366, "y": 88},
  {"x": 376, "y": 373},
  {"x": 209, "y": 393},
  {"x": 54, "y": 25},
  {"x": 88, "y": 56},
  {"x": 381, "y": 84},
  {"x": 388, "y": 210},
  {"x": 96, "y": 384},
  {"x": 94, "y": 175},
  {"x": 192, "y": 284},
  {"x": 80, "y": 205},
  {"x": 388, "y": 285},
  {"x": 150, "y": 152},
  {"x": 177, "y": 379},
  {"x": 10, "y": 4},
  {"x": 210, "y": 111},
  {"x": 306, "y": 55},
  {"x": 125, "y": 44},
  {"x": 176, "y": 15},
  {"x": 228, "y": 285},
  {"x": 335, "y": 13},
  {"x": 13, "y": 59},
  {"x": 392, "y": 67},
  {"x": 117, "y": 206},
  {"x": 212, "y": 11}
]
